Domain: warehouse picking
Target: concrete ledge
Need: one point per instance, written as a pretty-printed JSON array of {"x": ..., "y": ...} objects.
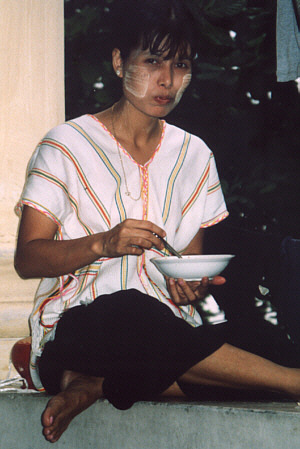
[{"x": 155, "y": 425}]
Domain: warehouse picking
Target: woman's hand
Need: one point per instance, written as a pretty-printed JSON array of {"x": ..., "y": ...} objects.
[
  {"x": 130, "y": 237},
  {"x": 39, "y": 255},
  {"x": 191, "y": 292}
]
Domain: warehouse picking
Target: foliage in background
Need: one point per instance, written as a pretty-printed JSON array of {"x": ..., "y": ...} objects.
[{"x": 234, "y": 102}]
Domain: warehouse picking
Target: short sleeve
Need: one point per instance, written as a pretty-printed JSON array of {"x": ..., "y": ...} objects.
[
  {"x": 198, "y": 194},
  {"x": 48, "y": 183},
  {"x": 215, "y": 208}
]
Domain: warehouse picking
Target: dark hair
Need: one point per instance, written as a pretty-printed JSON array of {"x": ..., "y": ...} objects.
[{"x": 160, "y": 25}]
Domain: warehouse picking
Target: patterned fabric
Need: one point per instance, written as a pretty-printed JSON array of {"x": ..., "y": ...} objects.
[{"x": 75, "y": 177}]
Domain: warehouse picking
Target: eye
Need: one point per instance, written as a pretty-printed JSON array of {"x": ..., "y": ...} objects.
[
  {"x": 152, "y": 61},
  {"x": 182, "y": 65}
]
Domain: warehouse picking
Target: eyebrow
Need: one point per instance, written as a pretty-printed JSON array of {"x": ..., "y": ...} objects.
[{"x": 167, "y": 57}]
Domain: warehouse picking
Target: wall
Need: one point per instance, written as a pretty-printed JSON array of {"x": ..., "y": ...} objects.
[
  {"x": 31, "y": 92},
  {"x": 32, "y": 102}
]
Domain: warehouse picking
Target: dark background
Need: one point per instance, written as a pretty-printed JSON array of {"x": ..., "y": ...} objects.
[{"x": 234, "y": 102}]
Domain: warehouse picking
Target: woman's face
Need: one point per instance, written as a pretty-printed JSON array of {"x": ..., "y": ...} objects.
[{"x": 153, "y": 83}]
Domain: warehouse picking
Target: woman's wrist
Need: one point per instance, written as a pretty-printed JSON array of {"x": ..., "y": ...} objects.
[{"x": 98, "y": 245}]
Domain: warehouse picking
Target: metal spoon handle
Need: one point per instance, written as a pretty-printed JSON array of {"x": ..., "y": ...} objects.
[{"x": 169, "y": 247}]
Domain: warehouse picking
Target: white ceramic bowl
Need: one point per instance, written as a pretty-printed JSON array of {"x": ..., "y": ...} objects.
[{"x": 192, "y": 268}]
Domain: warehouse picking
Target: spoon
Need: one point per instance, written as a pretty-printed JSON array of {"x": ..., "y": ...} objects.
[{"x": 169, "y": 247}]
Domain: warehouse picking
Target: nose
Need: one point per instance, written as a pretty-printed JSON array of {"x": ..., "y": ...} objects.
[{"x": 166, "y": 75}]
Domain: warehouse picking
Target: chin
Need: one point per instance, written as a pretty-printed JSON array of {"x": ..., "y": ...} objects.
[{"x": 160, "y": 111}]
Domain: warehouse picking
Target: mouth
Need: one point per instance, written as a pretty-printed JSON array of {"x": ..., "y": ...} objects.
[{"x": 163, "y": 99}]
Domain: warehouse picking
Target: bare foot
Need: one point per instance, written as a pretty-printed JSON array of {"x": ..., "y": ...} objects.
[{"x": 79, "y": 392}]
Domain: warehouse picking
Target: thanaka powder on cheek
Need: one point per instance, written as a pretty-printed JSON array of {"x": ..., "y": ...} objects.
[
  {"x": 136, "y": 81},
  {"x": 185, "y": 82}
]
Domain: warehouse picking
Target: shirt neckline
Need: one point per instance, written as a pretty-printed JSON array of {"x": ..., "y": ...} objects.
[{"x": 124, "y": 149}]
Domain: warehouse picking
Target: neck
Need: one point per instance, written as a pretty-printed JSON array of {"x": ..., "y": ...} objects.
[{"x": 133, "y": 125}]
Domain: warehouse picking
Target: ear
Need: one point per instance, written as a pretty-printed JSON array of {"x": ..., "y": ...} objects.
[{"x": 117, "y": 62}]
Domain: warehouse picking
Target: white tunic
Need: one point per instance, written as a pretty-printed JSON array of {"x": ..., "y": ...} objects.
[{"x": 75, "y": 177}]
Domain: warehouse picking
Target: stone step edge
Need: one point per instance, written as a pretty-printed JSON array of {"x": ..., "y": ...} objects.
[{"x": 167, "y": 425}]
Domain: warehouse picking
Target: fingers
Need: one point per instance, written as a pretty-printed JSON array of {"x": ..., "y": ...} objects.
[
  {"x": 132, "y": 237},
  {"x": 218, "y": 280},
  {"x": 190, "y": 292},
  {"x": 182, "y": 292},
  {"x": 142, "y": 234},
  {"x": 174, "y": 292},
  {"x": 144, "y": 225}
]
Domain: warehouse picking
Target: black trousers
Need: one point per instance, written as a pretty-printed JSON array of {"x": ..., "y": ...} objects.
[
  {"x": 140, "y": 348},
  {"x": 132, "y": 340}
]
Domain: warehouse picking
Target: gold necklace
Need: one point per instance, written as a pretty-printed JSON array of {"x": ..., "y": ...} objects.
[{"x": 127, "y": 191}]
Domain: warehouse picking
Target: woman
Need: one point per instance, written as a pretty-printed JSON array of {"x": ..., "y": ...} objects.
[{"x": 100, "y": 192}]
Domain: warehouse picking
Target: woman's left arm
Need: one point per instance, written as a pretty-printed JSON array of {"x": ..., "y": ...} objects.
[{"x": 188, "y": 292}]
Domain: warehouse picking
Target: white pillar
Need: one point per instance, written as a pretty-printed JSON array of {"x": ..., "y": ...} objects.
[{"x": 31, "y": 93}]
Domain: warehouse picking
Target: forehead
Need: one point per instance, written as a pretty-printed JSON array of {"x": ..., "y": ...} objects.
[
  {"x": 182, "y": 53},
  {"x": 168, "y": 46}
]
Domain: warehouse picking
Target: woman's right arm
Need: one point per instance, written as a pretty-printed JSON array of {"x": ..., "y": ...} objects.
[{"x": 39, "y": 255}]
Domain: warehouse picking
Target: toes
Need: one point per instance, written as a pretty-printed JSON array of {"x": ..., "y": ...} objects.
[
  {"x": 52, "y": 438},
  {"x": 47, "y": 417},
  {"x": 49, "y": 413},
  {"x": 52, "y": 434},
  {"x": 51, "y": 420},
  {"x": 49, "y": 435}
]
